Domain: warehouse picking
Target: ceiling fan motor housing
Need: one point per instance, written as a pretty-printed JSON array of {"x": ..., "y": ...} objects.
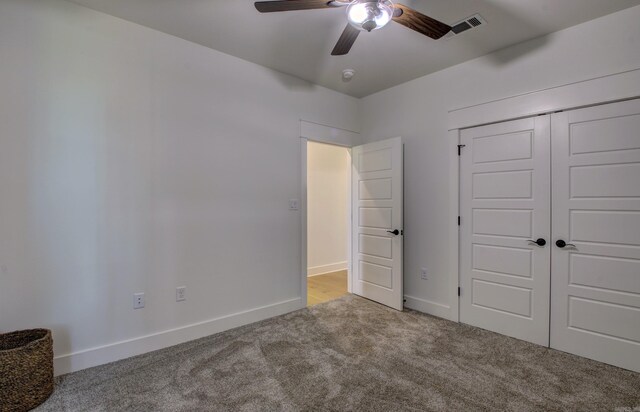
[{"x": 369, "y": 25}]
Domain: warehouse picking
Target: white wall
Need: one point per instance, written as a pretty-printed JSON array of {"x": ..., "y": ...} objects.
[
  {"x": 417, "y": 111},
  {"x": 131, "y": 161},
  {"x": 327, "y": 211},
  {"x": 134, "y": 161}
]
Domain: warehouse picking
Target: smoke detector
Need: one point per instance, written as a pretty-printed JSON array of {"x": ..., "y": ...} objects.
[
  {"x": 347, "y": 75},
  {"x": 464, "y": 25}
]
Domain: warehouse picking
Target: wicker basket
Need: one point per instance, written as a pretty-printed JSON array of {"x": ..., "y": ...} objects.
[{"x": 26, "y": 369}]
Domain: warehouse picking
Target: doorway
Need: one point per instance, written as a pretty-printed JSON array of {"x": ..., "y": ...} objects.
[{"x": 328, "y": 210}]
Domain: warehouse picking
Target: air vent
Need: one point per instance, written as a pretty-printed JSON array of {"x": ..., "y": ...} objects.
[
  {"x": 466, "y": 24},
  {"x": 474, "y": 21}
]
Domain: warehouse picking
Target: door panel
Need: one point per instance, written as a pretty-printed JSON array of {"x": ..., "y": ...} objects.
[
  {"x": 595, "y": 181},
  {"x": 375, "y": 217},
  {"x": 376, "y": 246},
  {"x": 514, "y": 223},
  {"x": 377, "y": 210},
  {"x": 615, "y": 226},
  {"x": 621, "y": 132},
  {"x": 595, "y": 305},
  {"x": 505, "y": 201},
  {"x": 501, "y": 297},
  {"x": 504, "y": 147},
  {"x": 380, "y": 275},
  {"x": 503, "y": 260},
  {"x": 502, "y": 185},
  {"x": 617, "y": 274},
  {"x": 375, "y": 189}
]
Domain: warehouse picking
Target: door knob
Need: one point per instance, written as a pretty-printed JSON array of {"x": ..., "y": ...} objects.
[
  {"x": 561, "y": 244},
  {"x": 539, "y": 242},
  {"x": 395, "y": 232}
]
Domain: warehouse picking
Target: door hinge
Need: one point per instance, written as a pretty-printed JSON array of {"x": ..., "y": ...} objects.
[
  {"x": 460, "y": 146},
  {"x": 458, "y": 220},
  {"x": 458, "y": 291}
]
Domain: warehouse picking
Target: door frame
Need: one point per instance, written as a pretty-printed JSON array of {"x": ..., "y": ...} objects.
[
  {"x": 589, "y": 92},
  {"x": 319, "y": 133}
]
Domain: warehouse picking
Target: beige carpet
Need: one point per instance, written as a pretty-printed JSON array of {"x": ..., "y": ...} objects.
[{"x": 350, "y": 354}]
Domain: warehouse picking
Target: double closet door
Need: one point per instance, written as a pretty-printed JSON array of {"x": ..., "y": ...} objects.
[{"x": 550, "y": 233}]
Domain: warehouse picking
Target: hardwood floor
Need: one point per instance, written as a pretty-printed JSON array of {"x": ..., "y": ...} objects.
[{"x": 322, "y": 288}]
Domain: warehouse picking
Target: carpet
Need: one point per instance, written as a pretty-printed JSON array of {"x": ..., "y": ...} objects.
[{"x": 350, "y": 354}]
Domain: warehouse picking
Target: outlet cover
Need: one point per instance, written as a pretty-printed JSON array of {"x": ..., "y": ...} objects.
[
  {"x": 294, "y": 204},
  {"x": 138, "y": 300},
  {"x": 181, "y": 293},
  {"x": 423, "y": 274}
]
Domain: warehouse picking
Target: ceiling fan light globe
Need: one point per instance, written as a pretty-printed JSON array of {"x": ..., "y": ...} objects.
[
  {"x": 357, "y": 13},
  {"x": 369, "y": 15},
  {"x": 385, "y": 14}
]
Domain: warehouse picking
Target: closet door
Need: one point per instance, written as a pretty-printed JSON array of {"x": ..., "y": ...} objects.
[
  {"x": 505, "y": 203},
  {"x": 595, "y": 304}
]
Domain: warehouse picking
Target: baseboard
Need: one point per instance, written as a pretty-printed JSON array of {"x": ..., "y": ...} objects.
[
  {"x": 321, "y": 270},
  {"x": 120, "y": 350},
  {"x": 427, "y": 306}
]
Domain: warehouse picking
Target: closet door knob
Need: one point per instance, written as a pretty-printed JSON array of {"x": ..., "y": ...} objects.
[
  {"x": 539, "y": 242},
  {"x": 394, "y": 232},
  {"x": 561, "y": 244}
]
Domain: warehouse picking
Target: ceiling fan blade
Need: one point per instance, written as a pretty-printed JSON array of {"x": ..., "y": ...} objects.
[
  {"x": 287, "y": 5},
  {"x": 346, "y": 40},
  {"x": 419, "y": 22}
]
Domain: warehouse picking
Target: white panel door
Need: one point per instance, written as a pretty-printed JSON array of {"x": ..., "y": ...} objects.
[
  {"x": 505, "y": 204},
  {"x": 596, "y": 207},
  {"x": 377, "y": 221}
]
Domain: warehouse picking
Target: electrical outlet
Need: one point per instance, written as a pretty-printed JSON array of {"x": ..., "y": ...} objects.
[
  {"x": 181, "y": 293},
  {"x": 138, "y": 300},
  {"x": 293, "y": 204},
  {"x": 423, "y": 274}
]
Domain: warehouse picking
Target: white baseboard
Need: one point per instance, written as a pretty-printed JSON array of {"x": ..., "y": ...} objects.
[
  {"x": 321, "y": 270},
  {"x": 120, "y": 350},
  {"x": 429, "y": 307}
]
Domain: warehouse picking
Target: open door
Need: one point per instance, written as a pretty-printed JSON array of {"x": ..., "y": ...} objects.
[{"x": 377, "y": 221}]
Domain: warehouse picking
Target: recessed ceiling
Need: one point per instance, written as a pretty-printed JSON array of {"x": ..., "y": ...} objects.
[{"x": 300, "y": 42}]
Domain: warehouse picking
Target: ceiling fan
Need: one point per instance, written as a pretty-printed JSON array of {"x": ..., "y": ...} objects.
[{"x": 363, "y": 15}]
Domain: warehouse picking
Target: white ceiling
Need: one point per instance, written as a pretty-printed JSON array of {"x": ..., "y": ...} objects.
[{"x": 300, "y": 42}]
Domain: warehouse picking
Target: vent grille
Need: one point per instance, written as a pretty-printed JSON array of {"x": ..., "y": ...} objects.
[
  {"x": 474, "y": 21},
  {"x": 466, "y": 24}
]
